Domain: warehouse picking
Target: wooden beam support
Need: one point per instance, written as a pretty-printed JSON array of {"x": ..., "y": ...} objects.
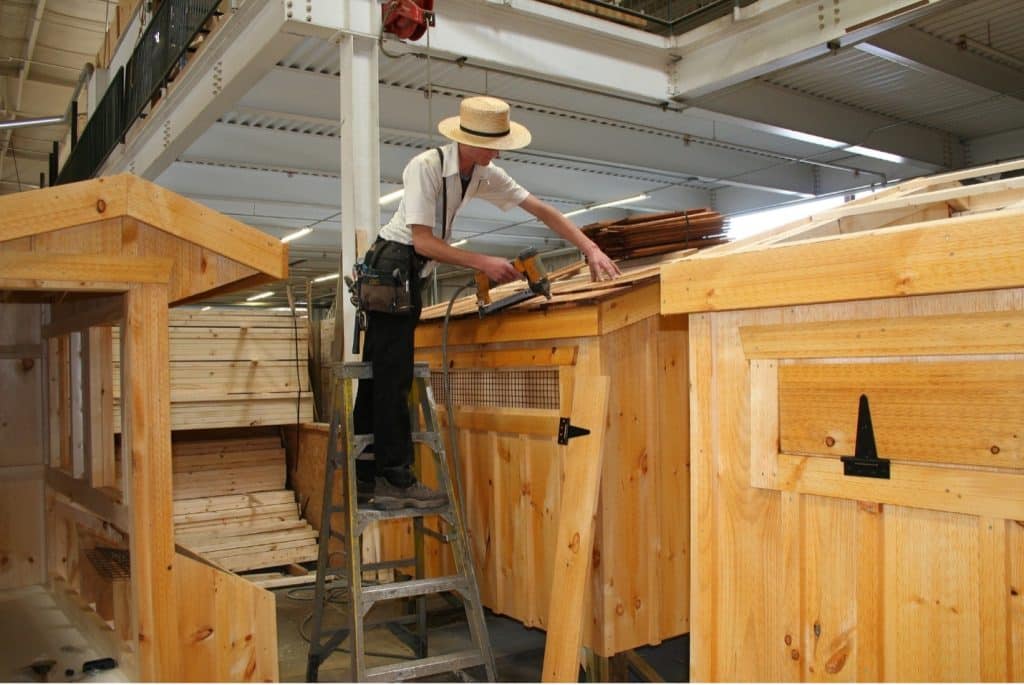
[
  {"x": 581, "y": 484},
  {"x": 96, "y": 501},
  {"x": 146, "y": 448},
  {"x": 91, "y": 273},
  {"x": 100, "y": 310}
]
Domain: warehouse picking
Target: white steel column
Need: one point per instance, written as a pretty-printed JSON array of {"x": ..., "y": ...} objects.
[{"x": 360, "y": 167}]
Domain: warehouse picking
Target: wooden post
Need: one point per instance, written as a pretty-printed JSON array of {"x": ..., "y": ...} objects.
[
  {"x": 145, "y": 392},
  {"x": 581, "y": 481}
]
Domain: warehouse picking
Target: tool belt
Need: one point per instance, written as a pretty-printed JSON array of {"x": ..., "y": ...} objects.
[{"x": 384, "y": 280}]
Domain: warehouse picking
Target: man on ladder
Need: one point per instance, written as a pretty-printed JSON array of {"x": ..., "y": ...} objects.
[{"x": 438, "y": 183}]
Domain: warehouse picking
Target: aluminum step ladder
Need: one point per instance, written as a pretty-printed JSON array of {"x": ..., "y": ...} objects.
[{"x": 343, "y": 448}]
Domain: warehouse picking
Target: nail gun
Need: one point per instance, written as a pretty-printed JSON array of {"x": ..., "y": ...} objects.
[{"x": 529, "y": 264}]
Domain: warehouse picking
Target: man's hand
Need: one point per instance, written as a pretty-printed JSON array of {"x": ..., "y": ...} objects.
[
  {"x": 498, "y": 270},
  {"x": 601, "y": 266}
]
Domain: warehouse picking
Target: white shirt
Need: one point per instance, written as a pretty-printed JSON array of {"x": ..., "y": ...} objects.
[{"x": 421, "y": 203}]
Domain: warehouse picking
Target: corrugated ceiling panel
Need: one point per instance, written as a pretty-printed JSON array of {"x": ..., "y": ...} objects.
[
  {"x": 997, "y": 23},
  {"x": 867, "y": 82},
  {"x": 863, "y": 81}
]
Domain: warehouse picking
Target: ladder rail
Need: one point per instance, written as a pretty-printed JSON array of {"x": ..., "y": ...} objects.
[{"x": 344, "y": 447}]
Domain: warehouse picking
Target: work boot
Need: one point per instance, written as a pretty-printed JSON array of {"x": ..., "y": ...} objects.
[{"x": 417, "y": 495}]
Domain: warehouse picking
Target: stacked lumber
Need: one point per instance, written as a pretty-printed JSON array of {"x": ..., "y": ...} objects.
[
  {"x": 233, "y": 369},
  {"x": 643, "y": 235},
  {"x": 231, "y": 506}
]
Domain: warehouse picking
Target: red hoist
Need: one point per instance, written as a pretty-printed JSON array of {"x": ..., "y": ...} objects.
[{"x": 407, "y": 19}]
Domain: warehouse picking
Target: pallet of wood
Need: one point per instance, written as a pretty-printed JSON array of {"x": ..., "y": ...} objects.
[
  {"x": 232, "y": 508},
  {"x": 232, "y": 369},
  {"x": 644, "y": 235}
]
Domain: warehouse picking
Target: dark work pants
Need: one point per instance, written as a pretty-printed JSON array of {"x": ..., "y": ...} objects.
[{"x": 382, "y": 404}]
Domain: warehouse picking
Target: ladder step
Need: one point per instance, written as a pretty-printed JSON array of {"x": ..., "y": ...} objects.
[
  {"x": 413, "y": 588},
  {"x": 419, "y": 668},
  {"x": 367, "y": 515}
]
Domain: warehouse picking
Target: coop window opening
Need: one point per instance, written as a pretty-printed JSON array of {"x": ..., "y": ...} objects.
[{"x": 512, "y": 388}]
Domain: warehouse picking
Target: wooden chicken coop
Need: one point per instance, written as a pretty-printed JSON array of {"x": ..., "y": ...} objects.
[
  {"x": 511, "y": 378},
  {"x": 824, "y": 554},
  {"x": 92, "y": 523}
]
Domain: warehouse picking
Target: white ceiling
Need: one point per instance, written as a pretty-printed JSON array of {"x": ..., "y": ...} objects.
[{"x": 941, "y": 88}]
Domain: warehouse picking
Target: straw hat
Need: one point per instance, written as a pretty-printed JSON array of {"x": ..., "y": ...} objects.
[{"x": 484, "y": 122}]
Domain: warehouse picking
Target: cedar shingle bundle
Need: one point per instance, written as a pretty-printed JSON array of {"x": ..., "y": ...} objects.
[{"x": 643, "y": 235}]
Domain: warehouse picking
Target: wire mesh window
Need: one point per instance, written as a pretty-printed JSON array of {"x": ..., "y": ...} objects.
[{"x": 532, "y": 388}]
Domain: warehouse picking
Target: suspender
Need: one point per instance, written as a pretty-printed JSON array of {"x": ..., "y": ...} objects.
[{"x": 444, "y": 197}]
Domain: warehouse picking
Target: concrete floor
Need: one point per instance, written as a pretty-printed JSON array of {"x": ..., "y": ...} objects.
[{"x": 518, "y": 651}]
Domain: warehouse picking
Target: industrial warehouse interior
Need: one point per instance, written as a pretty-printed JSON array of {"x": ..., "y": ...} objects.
[{"x": 778, "y": 440}]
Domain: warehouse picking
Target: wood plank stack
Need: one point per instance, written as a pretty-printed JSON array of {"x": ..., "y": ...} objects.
[
  {"x": 234, "y": 369},
  {"x": 643, "y": 235},
  {"x": 231, "y": 506}
]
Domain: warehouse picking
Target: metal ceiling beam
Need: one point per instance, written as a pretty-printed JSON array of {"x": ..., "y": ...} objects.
[
  {"x": 241, "y": 52},
  {"x": 529, "y": 37},
  {"x": 774, "y": 34},
  {"x": 915, "y": 49}
]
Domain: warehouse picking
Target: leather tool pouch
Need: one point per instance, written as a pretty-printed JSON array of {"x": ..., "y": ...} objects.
[{"x": 383, "y": 278}]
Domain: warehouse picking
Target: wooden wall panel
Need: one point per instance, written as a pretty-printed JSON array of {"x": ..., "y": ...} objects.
[
  {"x": 21, "y": 374},
  {"x": 228, "y": 626},
  {"x": 22, "y": 552},
  {"x": 931, "y": 559},
  {"x": 880, "y": 592}
]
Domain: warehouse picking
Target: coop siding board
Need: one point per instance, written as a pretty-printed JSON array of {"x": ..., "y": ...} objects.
[
  {"x": 99, "y": 406},
  {"x": 973, "y": 413},
  {"x": 974, "y": 252},
  {"x": 511, "y": 327},
  {"x": 993, "y": 589},
  {"x": 925, "y": 598},
  {"x": 703, "y": 504},
  {"x": 147, "y": 449},
  {"x": 1000, "y": 332}
]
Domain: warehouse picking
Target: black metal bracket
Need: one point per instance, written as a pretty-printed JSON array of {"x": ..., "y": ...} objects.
[
  {"x": 865, "y": 462},
  {"x": 567, "y": 431}
]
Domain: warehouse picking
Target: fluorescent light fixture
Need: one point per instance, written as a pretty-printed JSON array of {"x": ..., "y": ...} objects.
[
  {"x": 286, "y": 309},
  {"x": 206, "y": 308},
  {"x": 301, "y": 233},
  {"x": 877, "y": 154},
  {"x": 37, "y": 121},
  {"x": 328, "y": 277},
  {"x": 460, "y": 242},
  {"x": 624, "y": 201},
  {"x": 811, "y": 138},
  {"x": 391, "y": 197},
  {"x": 261, "y": 296}
]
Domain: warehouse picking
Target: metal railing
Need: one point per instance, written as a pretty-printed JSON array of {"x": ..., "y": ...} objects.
[
  {"x": 99, "y": 137},
  {"x": 160, "y": 51}
]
